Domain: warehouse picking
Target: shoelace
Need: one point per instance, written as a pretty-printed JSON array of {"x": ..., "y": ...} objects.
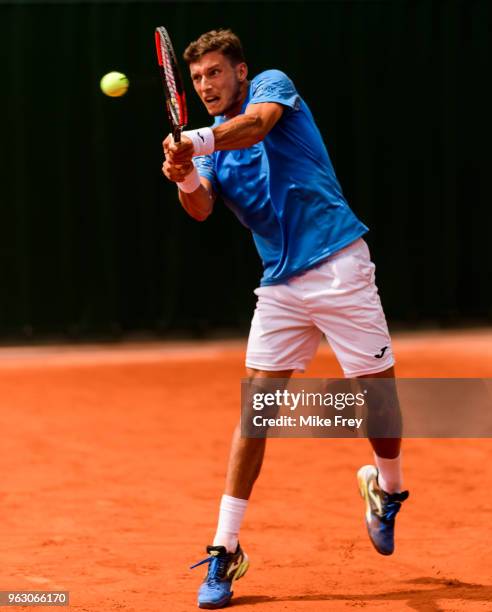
[
  {"x": 392, "y": 504},
  {"x": 390, "y": 510},
  {"x": 216, "y": 569}
]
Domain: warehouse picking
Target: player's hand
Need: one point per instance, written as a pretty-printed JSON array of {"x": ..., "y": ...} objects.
[
  {"x": 178, "y": 152},
  {"x": 176, "y": 172}
]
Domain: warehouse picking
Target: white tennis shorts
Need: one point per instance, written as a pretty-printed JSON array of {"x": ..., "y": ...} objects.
[{"x": 337, "y": 298}]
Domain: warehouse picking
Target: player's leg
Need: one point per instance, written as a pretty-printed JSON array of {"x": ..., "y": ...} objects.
[
  {"x": 227, "y": 560},
  {"x": 282, "y": 339},
  {"x": 381, "y": 485},
  {"x": 386, "y": 449},
  {"x": 245, "y": 461},
  {"x": 348, "y": 310}
]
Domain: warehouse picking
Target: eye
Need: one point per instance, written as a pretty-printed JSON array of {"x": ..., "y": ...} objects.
[{"x": 214, "y": 72}]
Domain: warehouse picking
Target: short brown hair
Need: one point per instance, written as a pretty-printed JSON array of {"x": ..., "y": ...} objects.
[{"x": 221, "y": 40}]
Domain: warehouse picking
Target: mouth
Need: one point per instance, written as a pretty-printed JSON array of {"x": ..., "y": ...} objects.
[{"x": 209, "y": 100}]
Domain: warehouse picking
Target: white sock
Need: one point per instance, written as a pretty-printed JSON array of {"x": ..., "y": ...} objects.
[
  {"x": 231, "y": 515},
  {"x": 390, "y": 477}
]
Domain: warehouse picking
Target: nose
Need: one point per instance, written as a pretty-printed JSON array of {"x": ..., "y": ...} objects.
[{"x": 204, "y": 84}]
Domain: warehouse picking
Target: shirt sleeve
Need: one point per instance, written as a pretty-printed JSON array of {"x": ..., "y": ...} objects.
[
  {"x": 206, "y": 168},
  {"x": 274, "y": 86}
]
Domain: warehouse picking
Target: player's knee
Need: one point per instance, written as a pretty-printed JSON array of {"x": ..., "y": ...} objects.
[
  {"x": 382, "y": 408},
  {"x": 261, "y": 397}
]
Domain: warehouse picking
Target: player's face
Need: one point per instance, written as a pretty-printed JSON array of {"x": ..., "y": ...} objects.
[{"x": 219, "y": 84}]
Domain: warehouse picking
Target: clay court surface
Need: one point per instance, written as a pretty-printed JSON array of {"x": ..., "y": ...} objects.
[{"x": 113, "y": 459}]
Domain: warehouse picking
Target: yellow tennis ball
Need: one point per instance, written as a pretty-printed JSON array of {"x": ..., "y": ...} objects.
[{"x": 114, "y": 84}]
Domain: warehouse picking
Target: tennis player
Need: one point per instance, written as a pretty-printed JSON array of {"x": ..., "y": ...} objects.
[{"x": 265, "y": 157}]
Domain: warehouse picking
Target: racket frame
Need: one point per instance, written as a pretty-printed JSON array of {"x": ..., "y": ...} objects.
[{"x": 176, "y": 108}]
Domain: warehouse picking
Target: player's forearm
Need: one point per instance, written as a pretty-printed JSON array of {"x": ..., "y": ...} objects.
[
  {"x": 198, "y": 204},
  {"x": 240, "y": 132}
]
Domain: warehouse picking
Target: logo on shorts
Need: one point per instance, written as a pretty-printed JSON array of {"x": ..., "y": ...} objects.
[
  {"x": 381, "y": 353},
  {"x": 200, "y": 136}
]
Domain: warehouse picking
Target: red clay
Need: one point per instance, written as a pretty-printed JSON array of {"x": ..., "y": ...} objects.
[{"x": 113, "y": 464}]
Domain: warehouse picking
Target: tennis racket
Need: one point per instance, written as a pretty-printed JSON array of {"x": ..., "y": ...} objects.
[{"x": 177, "y": 112}]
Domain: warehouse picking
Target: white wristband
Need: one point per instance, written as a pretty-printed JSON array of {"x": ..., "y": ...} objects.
[
  {"x": 203, "y": 140},
  {"x": 191, "y": 182}
]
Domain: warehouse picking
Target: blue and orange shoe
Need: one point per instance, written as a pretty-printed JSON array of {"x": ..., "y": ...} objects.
[
  {"x": 381, "y": 509},
  {"x": 224, "y": 567}
]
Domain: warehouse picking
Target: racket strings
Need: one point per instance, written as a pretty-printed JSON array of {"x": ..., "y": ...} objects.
[{"x": 172, "y": 87}]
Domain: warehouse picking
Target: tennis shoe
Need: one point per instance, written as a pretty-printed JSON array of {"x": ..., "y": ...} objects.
[
  {"x": 381, "y": 509},
  {"x": 223, "y": 568}
]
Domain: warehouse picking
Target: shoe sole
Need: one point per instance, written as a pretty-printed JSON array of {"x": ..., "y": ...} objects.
[{"x": 215, "y": 606}]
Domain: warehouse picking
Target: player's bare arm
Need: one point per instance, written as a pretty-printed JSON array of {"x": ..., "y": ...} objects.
[
  {"x": 246, "y": 130},
  {"x": 239, "y": 132},
  {"x": 198, "y": 203}
]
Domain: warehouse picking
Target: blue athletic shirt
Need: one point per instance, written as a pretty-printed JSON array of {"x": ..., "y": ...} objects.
[{"x": 284, "y": 188}]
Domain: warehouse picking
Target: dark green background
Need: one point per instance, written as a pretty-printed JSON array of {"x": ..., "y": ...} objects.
[{"x": 93, "y": 241}]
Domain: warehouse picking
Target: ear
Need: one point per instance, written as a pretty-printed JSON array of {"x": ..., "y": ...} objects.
[{"x": 242, "y": 71}]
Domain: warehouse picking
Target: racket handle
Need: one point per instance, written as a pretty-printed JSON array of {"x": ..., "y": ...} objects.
[{"x": 177, "y": 134}]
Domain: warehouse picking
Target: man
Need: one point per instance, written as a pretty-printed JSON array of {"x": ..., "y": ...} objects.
[{"x": 265, "y": 157}]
